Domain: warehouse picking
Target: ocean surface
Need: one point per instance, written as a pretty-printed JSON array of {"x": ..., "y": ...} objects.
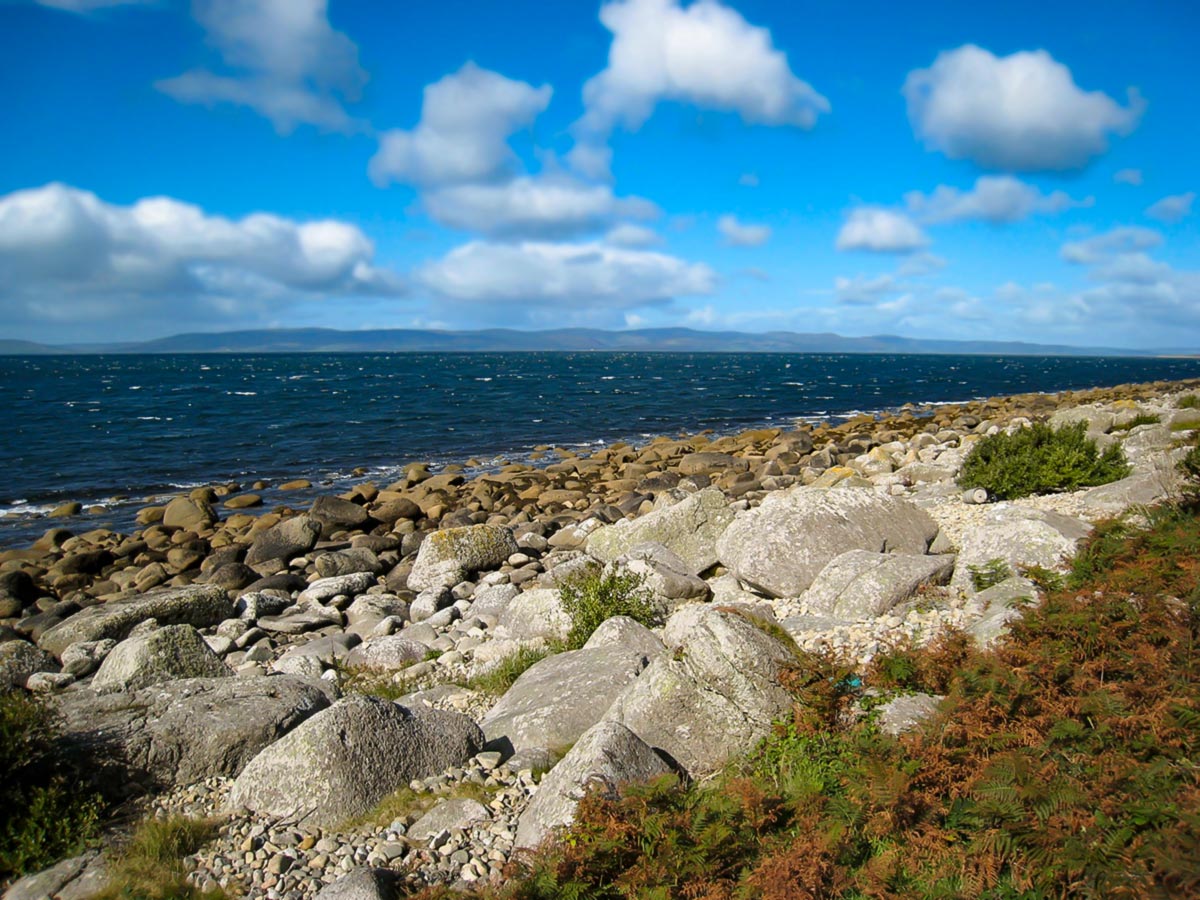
[{"x": 116, "y": 431}]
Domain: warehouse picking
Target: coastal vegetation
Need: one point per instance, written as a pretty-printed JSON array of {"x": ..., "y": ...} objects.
[
  {"x": 1040, "y": 460},
  {"x": 595, "y": 594},
  {"x": 151, "y": 865}
]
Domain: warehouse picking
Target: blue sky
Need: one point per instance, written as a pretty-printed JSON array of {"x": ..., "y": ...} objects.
[{"x": 1012, "y": 170}]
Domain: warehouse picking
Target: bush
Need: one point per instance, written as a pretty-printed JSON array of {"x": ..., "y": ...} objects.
[
  {"x": 1040, "y": 460},
  {"x": 594, "y": 595},
  {"x": 46, "y": 813}
]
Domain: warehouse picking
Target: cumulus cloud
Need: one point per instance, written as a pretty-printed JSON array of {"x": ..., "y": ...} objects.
[
  {"x": 880, "y": 230},
  {"x": 1128, "y": 176},
  {"x": 1172, "y": 209},
  {"x": 994, "y": 198},
  {"x": 65, "y": 254},
  {"x": 462, "y": 136},
  {"x": 705, "y": 54},
  {"x": 864, "y": 291},
  {"x": 742, "y": 234},
  {"x": 1021, "y": 112},
  {"x": 281, "y": 58},
  {"x": 629, "y": 235},
  {"x": 567, "y": 276},
  {"x": 1126, "y": 239}
]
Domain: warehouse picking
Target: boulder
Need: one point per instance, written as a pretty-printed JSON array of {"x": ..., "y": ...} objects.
[
  {"x": 1018, "y": 537},
  {"x": 627, "y": 633},
  {"x": 344, "y": 760},
  {"x": 19, "y": 660},
  {"x": 862, "y": 584},
  {"x": 607, "y": 756},
  {"x": 324, "y": 589},
  {"x": 376, "y": 608},
  {"x": 998, "y": 607},
  {"x": 188, "y": 514},
  {"x": 664, "y": 574},
  {"x": 715, "y": 694},
  {"x": 710, "y": 462},
  {"x": 533, "y": 615},
  {"x": 78, "y": 878},
  {"x": 782, "y": 545},
  {"x": 903, "y": 714},
  {"x": 182, "y": 732},
  {"x": 386, "y": 654},
  {"x": 197, "y": 605},
  {"x": 471, "y": 548},
  {"x": 348, "y": 562},
  {"x": 165, "y": 654},
  {"x": 689, "y": 528},
  {"x": 335, "y": 514},
  {"x": 558, "y": 698},
  {"x": 285, "y": 540},
  {"x": 1098, "y": 420},
  {"x": 364, "y": 883},
  {"x": 448, "y": 815}
]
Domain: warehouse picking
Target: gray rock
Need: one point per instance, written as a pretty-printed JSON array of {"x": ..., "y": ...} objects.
[
  {"x": 181, "y": 732},
  {"x": 344, "y": 760},
  {"x": 447, "y": 816},
  {"x": 999, "y": 606},
  {"x": 862, "y": 584},
  {"x": 386, "y": 654},
  {"x": 376, "y": 608},
  {"x": 285, "y": 540},
  {"x": 782, "y": 545},
  {"x": 493, "y": 600},
  {"x": 607, "y": 756},
  {"x": 199, "y": 605},
  {"x": 324, "y": 589},
  {"x": 664, "y": 574},
  {"x": 310, "y": 619},
  {"x": 262, "y": 603},
  {"x": 328, "y": 650},
  {"x": 336, "y": 514},
  {"x": 83, "y": 658},
  {"x": 906, "y": 713},
  {"x": 689, "y": 528},
  {"x": 19, "y": 660},
  {"x": 166, "y": 654},
  {"x": 79, "y": 878},
  {"x": 533, "y": 615},
  {"x": 1018, "y": 537},
  {"x": 364, "y": 884},
  {"x": 1098, "y": 420},
  {"x": 1139, "y": 489},
  {"x": 558, "y": 698},
  {"x": 714, "y": 697},
  {"x": 430, "y": 602},
  {"x": 348, "y": 562},
  {"x": 627, "y": 633},
  {"x": 472, "y": 548}
]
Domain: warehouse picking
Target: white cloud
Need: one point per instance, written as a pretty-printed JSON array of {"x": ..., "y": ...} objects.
[
  {"x": 282, "y": 59},
  {"x": 742, "y": 234},
  {"x": 462, "y": 136},
  {"x": 67, "y": 255},
  {"x": 920, "y": 264},
  {"x": 705, "y": 54},
  {"x": 551, "y": 205},
  {"x": 591, "y": 160},
  {"x": 1172, "y": 209},
  {"x": 569, "y": 276},
  {"x": 863, "y": 291},
  {"x": 86, "y": 6},
  {"x": 1128, "y": 239},
  {"x": 629, "y": 235},
  {"x": 1022, "y": 112},
  {"x": 1128, "y": 176},
  {"x": 994, "y": 198},
  {"x": 880, "y": 230}
]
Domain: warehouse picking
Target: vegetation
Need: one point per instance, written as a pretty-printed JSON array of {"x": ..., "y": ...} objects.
[
  {"x": 500, "y": 677},
  {"x": 595, "y": 594},
  {"x": 46, "y": 811},
  {"x": 1136, "y": 421},
  {"x": 1040, "y": 460},
  {"x": 990, "y": 574},
  {"x": 151, "y": 866},
  {"x": 404, "y": 802},
  {"x": 1064, "y": 764},
  {"x": 1188, "y": 401}
]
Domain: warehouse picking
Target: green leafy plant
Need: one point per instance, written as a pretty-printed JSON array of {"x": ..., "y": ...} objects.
[
  {"x": 596, "y": 594},
  {"x": 1040, "y": 460},
  {"x": 989, "y": 574},
  {"x": 46, "y": 810}
]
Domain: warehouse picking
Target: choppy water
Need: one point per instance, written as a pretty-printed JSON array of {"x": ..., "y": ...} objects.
[{"x": 100, "y": 428}]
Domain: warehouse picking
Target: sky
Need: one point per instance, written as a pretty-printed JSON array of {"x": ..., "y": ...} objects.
[{"x": 993, "y": 170}]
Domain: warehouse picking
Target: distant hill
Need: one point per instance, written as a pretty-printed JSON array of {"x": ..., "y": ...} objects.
[{"x": 498, "y": 340}]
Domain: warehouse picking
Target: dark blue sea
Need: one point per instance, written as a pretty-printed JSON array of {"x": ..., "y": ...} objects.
[{"x": 117, "y": 430}]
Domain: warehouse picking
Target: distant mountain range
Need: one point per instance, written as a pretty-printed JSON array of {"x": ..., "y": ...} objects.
[{"x": 498, "y": 340}]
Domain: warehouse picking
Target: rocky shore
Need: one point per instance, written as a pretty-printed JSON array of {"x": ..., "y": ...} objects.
[{"x": 288, "y": 670}]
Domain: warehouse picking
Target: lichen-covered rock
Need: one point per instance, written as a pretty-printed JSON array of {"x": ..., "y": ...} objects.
[
  {"x": 285, "y": 540},
  {"x": 689, "y": 528},
  {"x": 197, "y": 605},
  {"x": 533, "y": 615},
  {"x": 19, "y": 660},
  {"x": 471, "y": 548},
  {"x": 386, "y": 654},
  {"x": 165, "y": 654},
  {"x": 344, "y": 760},
  {"x": 782, "y": 545},
  {"x": 1017, "y": 537},
  {"x": 862, "y": 584}
]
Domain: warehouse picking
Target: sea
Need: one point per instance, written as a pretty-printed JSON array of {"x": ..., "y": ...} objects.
[{"x": 118, "y": 432}]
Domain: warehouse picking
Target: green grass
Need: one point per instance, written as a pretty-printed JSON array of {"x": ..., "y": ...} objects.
[
  {"x": 499, "y": 678},
  {"x": 47, "y": 811},
  {"x": 596, "y": 594},
  {"x": 1040, "y": 460},
  {"x": 150, "y": 867},
  {"x": 1188, "y": 401},
  {"x": 1136, "y": 421},
  {"x": 405, "y": 802}
]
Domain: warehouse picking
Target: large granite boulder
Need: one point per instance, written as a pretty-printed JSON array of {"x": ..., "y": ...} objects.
[
  {"x": 471, "y": 548},
  {"x": 782, "y": 545},
  {"x": 558, "y": 698},
  {"x": 1018, "y": 537},
  {"x": 689, "y": 528},
  {"x": 862, "y": 584},
  {"x": 198, "y": 605},
  {"x": 535, "y": 615},
  {"x": 165, "y": 654},
  {"x": 713, "y": 696},
  {"x": 285, "y": 540},
  {"x": 343, "y": 761},
  {"x": 188, "y": 514},
  {"x": 364, "y": 883},
  {"x": 19, "y": 660},
  {"x": 607, "y": 756},
  {"x": 390, "y": 653},
  {"x": 335, "y": 514},
  {"x": 181, "y": 732}
]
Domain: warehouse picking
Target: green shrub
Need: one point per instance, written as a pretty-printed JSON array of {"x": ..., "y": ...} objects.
[
  {"x": 594, "y": 595},
  {"x": 1040, "y": 460},
  {"x": 46, "y": 812},
  {"x": 151, "y": 865},
  {"x": 990, "y": 574}
]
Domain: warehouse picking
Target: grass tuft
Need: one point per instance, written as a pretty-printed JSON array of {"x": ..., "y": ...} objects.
[{"x": 151, "y": 865}]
